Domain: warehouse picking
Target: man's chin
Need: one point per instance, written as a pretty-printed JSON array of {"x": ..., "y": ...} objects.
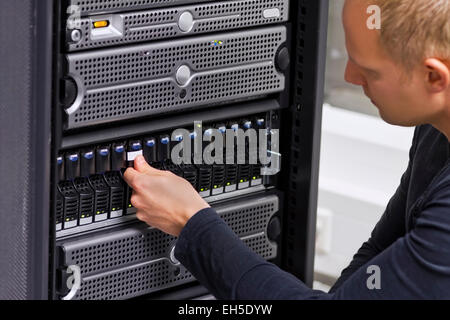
[
  {"x": 386, "y": 118},
  {"x": 394, "y": 121}
]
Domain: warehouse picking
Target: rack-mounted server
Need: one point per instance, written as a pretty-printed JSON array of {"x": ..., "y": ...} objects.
[{"x": 98, "y": 80}]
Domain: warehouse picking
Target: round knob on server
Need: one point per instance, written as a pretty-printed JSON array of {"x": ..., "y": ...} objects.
[
  {"x": 75, "y": 35},
  {"x": 183, "y": 75},
  {"x": 186, "y": 21},
  {"x": 283, "y": 59},
  {"x": 172, "y": 256},
  {"x": 274, "y": 229}
]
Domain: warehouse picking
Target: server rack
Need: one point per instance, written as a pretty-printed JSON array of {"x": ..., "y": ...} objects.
[{"x": 66, "y": 95}]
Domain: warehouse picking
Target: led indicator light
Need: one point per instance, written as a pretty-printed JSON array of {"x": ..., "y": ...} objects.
[
  {"x": 216, "y": 43},
  {"x": 136, "y": 146},
  {"x": 120, "y": 149},
  {"x": 104, "y": 152},
  {"x": 165, "y": 140},
  {"x": 150, "y": 143},
  {"x": 73, "y": 158},
  {"x": 223, "y": 129},
  {"x": 101, "y": 24},
  {"x": 89, "y": 155}
]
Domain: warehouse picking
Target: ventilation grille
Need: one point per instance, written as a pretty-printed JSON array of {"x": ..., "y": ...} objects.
[
  {"x": 135, "y": 261},
  {"x": 231, "y": 174},
  {"x": 204, "y": 177},
  {"x": 101, "y": 6},
  {"x": 163, "y": 23},
  {"x": 218, "y": 176},
  {"x": 244, "y": 172},
  {"x": 59, "y": 208},
  {"x": 117, "y": 199},
  {"x": 113, "y": 179},
  {"x": 98, "y": 183},
  {"x": 125, "y": 83},
  {"x": 82, "y": 185},
  {"x": 71, "y": 200},
  {"x": 190, "y": 174},
  {"x": 101, "y": 202},
  {"x": 256, "y": 170},
  {"x": 133, "y": 281}
]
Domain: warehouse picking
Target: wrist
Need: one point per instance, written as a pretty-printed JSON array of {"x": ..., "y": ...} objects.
[{"x": 189, "y": 213}]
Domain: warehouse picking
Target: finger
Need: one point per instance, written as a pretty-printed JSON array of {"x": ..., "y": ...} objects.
[
  {"x": 142, "y": 216},
  {"x": 130, "y": 176},
  {"x": 143, "y": 167}
]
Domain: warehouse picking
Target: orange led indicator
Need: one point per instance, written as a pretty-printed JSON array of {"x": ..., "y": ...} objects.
[{"x": 101, "y": 24}]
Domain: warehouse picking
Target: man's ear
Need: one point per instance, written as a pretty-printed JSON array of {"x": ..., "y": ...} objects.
[{"x": 438, "y": 75}]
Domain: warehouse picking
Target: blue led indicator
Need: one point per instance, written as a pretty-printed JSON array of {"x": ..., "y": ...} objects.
[
  {"x": 73, "y": 158},
  {"x": 248, "y": 125},
  {"x": 165, "y": 140},
  {"x": 136, "y": 146},
  {"x": 104, "y": 152},
  {"x": 120, "y": 149},
  {"x": 59, "y": 160},
  {"x": 179, "y": 138},
  {"x": 223, "y": 129},
  {"x": 235, "y": 127},
  {"x": 88, "y": 155},
  {"x": 150, "y": 143}
]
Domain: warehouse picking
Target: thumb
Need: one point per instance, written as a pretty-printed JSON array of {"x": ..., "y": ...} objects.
[
  {"x": 130, "y": 176},
  {"x": 143, "y": 167}
]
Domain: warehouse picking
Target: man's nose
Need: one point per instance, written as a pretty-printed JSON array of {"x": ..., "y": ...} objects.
[{"x": 352, "y": 74}]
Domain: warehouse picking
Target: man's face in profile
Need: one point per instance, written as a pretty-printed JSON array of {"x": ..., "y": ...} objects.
[{"x": 401, "y": 97}]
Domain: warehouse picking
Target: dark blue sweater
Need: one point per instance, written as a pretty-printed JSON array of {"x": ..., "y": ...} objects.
[{"x": 410, "y": 244}]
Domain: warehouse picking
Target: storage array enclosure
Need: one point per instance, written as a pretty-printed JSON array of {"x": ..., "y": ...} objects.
[{"x": 99, "y": 80}]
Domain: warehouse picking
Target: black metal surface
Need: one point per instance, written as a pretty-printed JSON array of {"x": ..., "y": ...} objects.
[
  {"x": 25, "y": 101},
  {"x": 125, "y": 131},
  {"x": 302, "y": 141}
]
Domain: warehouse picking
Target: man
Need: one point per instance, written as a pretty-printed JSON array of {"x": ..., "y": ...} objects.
[{"x": 404, "y": 68}]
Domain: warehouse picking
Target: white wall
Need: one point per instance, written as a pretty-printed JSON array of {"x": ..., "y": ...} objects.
[{"x": 362, "y": 160}]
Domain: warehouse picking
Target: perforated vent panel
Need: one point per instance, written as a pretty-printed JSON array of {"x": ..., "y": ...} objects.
[
  {"x": 135, "y": 261},
  {"x": 165, "y": 23},
  {"x": 102, "y": 6},
  {"x": 135, "y": 81}
]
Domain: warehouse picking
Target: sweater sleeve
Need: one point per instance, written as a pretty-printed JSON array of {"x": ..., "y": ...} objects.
[{"x": 414, "y": 266}]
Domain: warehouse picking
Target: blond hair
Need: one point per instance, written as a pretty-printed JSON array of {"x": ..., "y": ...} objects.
[{"x": 413, "y": 30}]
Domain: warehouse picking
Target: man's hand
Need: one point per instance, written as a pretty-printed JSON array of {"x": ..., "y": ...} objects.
[{"x": 162, "y": 199}]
